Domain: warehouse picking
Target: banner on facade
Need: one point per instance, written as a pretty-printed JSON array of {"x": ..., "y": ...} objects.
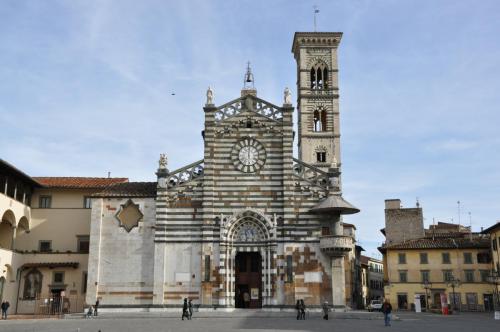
[{"x": 418, "y": 307}]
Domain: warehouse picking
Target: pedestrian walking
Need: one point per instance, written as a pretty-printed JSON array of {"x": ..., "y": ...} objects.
[
  {"x": 7, "y": 305},
  {"x": 302, "y": 310},
  {"x": 190, "y": 308},
  {"x": 95, "y": 307},
  {"x": 246, "y": 299},
  {"x": 387, "y": 310},
  {"x": 4, "y": 309},
  {"x": 297, "y": 307},
  {"x": 185, "y": 312},
  {"x": 326, "y": 308},
  {"x": 90, "y": 312}
]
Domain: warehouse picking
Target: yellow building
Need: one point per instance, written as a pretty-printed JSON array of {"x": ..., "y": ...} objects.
[
  {"x": 445, "y": 264},
  {"x": 44, "y": 239},
  {"x": 494, "y": 233}
]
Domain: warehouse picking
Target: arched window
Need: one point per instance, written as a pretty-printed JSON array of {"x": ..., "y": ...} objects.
[
  {"x": 313, "y": 78},
  {"x": 319, "y": 77},
  {"x": 319, "y": 119}
]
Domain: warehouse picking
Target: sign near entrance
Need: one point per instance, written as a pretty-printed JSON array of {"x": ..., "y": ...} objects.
[
  {"x": 418, "y": 307},
  {"x": 254, "y": 293}
]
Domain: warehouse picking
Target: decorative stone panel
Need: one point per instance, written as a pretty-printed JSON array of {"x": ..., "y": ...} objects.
[{"x": 129, "y": 215}]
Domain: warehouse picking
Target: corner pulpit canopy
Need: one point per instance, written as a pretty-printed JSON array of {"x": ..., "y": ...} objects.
[{"x": 334, "y": 203}]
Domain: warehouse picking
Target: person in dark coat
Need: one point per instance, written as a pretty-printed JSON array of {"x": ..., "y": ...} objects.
[
  {"x": 326, "y": 308},
  {"x": 190, "y": 308},
  {"x": 297, "y": 307},
  {"x": 387, "y": 310},
  {"x": 302, "y": 310},
  {"x": 185, "y": 312},
  {"x": 5, "y": 307},
  {"x": 4, "y": 313},
  {"x": 95, "y": 307}
]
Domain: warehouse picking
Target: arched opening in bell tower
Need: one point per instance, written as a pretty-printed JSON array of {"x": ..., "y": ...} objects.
[
  {"x": 319, "y": 120},
  {"x": 319, "y": 77}
]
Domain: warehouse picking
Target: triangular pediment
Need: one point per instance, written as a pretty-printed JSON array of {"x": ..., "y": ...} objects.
[{"x": 248, "y": 103}]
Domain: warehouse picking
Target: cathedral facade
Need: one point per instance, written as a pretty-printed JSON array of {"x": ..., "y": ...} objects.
[{"x": 247, "y": 225}]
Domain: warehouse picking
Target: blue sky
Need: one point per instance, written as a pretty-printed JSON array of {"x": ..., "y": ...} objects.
[{"x": 86, "y": 88}]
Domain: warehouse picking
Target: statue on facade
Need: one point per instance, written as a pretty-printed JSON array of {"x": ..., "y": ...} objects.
[
  {"x": 334, "y": 163},
  {"x": 287, "y": 97},
  {"x": 162, "y": 163},
  {"x": 210, "y": 97}
]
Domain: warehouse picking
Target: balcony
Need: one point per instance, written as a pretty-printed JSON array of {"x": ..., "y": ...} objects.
[{"x": 336, "y": 245}]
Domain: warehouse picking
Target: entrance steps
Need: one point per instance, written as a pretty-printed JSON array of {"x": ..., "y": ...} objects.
[{"x": 286, "y": 313}]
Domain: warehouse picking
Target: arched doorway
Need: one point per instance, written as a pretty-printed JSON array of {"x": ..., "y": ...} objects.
[
  {"x": 248, "y": 246},
  {"x": 248, "y": 280}
]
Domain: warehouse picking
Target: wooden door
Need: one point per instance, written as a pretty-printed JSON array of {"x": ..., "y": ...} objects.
[{"x": 248, "y": 280}]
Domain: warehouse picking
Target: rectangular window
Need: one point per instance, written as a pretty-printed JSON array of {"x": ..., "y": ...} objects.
[
  {"x": 484, "y": 258},
  {"x": 425, "y": 276},
  {"x": 484, "y": 275},
  {"x": 446, "y": 258},
  {"x": 45, "y": 202},
  {"x": 469, "y": 275},
  {"x": 83, "y": 243},
  {"x": 467, "y": 258},
  {"x": 58, "y": 278},
  {"x": 207, "y": 268},
  {"x": 45, "y": 246},
  {"x": 321, "y": 157},
  {"x": 403, "y": 276},
  {"x": 289, "y": 268},
  {"x": 494, "y": 244},
  {"x": 402, "y": 258},
  {"x": 325, "y": 231},
  {"x": 84, "y": 282},
  {"x": 423, "y": 258},
  {"x": 87, "y": 203},
  {"x": 447, "y": 275}
]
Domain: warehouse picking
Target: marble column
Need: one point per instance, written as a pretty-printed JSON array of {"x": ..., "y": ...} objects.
[{"x": 338, "y": 282}]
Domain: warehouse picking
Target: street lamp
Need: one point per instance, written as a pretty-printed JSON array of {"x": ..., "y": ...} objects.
[
  {"x": 453, "y": 282},
  {"x": 427, "y": 285}
]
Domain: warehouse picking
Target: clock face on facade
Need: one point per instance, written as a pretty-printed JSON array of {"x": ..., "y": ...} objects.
[{"x": 248, "y": 155}]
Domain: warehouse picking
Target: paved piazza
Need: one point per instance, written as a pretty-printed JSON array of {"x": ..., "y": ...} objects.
[{"x": 408, "y": 322}]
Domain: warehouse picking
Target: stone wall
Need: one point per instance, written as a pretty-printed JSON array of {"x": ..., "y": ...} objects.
[
  {"x": 120, "y": 262},
  {"x": 402, "y": 224}
]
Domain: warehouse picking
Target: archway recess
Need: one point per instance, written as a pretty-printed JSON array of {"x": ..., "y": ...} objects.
[{"x": 248, "y": 231}]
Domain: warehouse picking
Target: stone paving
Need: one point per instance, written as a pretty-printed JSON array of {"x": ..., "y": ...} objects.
[{"x": 256, "y": 322}]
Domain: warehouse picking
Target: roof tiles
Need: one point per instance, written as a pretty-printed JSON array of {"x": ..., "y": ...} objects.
[
  {"x": 78, "y": 182},
  {"x": 465, "y": 242},
  {"x": 129, "y": 189}
]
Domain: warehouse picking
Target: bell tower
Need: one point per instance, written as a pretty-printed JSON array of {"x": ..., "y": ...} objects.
[{"x": 318, "y": 98}]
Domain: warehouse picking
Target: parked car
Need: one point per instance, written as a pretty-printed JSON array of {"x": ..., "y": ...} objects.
[{"x": 375, "y": 305}]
